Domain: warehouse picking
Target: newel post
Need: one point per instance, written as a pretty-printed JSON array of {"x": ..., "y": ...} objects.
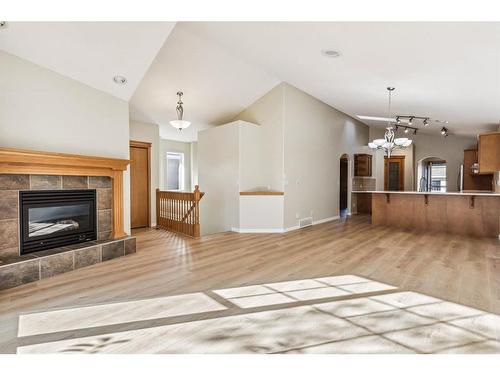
[
  {"x": 158, "y": 202},
  {"x": 197, "y": 211}
]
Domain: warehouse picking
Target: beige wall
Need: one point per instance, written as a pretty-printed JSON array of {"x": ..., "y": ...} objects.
[
  {"x": 143, "y": 132},
  {"x": 267, "y": 143},
  {"x": 295, "y": 148},
  {"x": 218, "y": 174},
  {"x": 449, "y": 148},
  {"x": 315, "y": 137},
  {"x": 45, "y": 111},
  {"x": 194, "y": 164},
  {"x": 167, "y": 145}
]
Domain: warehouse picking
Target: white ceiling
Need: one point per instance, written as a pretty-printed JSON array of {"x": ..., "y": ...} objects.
[
  {"x": 89, "y": 52},
  {"x": 447, "y": 71},
  {"x": 217, "y": 85}
]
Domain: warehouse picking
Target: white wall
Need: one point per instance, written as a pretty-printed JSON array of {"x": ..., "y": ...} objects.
[
  {"x": 45, "y": 111},
  {"x": 266, "y": 144},
  {"x": 295, "y": 148},
  {"x": 194, "y": 164},
  {"x": 261, "y": 214},
  {"x": 140, "y": 131},
  {"x": 315, "y": 137},
  {"x": 449, "y": 148},
  {"x": 184, "y": 148},
  {"x": 218, "y": 173}
]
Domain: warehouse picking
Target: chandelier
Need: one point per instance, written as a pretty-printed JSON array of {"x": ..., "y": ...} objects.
[
  {"x": 389, "y": 143},
  {"x": 180, "y": 123}
]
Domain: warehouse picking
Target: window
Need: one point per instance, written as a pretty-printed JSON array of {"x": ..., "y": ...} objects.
[
  {"x": 438, "y": 176},
  {"x": 175, "y": 171}
]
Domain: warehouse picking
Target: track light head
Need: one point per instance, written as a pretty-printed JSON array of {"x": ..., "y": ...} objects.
[
  {"x": 406, "y": 130},
  {"x": 410, "y": 121},
  {"x": 444, "y": 131},
  {"x": 415, "y": 131},
  {"x": 426, "y": 122},
  {"x": 398, "y": 120}
]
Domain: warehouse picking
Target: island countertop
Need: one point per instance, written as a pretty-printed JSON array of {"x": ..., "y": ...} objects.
[
  {"x": 473, "y": 213},
  {"x": 459, "y": 193}
]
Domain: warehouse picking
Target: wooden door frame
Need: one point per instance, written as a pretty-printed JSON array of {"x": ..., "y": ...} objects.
[
  {"x": 401, "y": 175},
  {"x": 346, "y": 158},
  {"x": 147, "y": 146}
]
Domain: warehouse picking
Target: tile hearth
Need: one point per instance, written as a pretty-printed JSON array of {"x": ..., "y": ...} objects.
[{"x": 16, "y": 270}]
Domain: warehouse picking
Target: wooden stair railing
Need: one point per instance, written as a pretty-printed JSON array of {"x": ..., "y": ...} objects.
[{"x": 179, "y": 211}]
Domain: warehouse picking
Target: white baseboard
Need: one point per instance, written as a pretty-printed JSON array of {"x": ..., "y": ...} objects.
[
  {"x": 279, "y": 230},
  {"x": 326, "y": 220},
  {"x": 257, "y": 230},
  {"x": 316, "y": 222}
]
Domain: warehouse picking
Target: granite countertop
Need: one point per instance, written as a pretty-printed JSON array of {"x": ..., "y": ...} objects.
[{"x": 460, "y": 193}]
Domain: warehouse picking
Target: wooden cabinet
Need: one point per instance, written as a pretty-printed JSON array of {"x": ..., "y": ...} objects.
[
  {"x": 489, "y": 152},
  {"x": 364, "y": 203},
  {"x": 362, "y": 165},
  {"x": 475, "y": 181}
]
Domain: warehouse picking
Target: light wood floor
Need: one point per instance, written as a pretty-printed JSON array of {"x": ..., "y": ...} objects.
[{"x": 395, "y": 291}]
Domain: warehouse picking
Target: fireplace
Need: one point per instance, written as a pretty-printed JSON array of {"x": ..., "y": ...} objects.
[{"x": 55, "y": 218}]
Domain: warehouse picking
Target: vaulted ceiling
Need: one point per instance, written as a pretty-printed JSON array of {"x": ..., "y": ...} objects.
[
  {"x": 89, "y": 52},
  {"x": 446, "y": 71}
]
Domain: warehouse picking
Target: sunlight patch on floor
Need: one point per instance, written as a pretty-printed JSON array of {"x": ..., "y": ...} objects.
[
  {"x": 115, "y": 313},
  {"x": 291, "y": 318},
  {"x": 300, "y": 290}
]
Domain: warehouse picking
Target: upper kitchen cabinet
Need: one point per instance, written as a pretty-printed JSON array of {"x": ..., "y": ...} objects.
[
  {"x": 489, "y": 152},
  {"x": 362, "y": 165},
  {"x": 472, "y": 179}
]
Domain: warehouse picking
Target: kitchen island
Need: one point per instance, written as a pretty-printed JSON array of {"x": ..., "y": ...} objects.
[{"x": 473, "y": 213}]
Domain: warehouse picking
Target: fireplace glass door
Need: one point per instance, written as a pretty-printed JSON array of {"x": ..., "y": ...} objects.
[{"x": 56, "y": 218}]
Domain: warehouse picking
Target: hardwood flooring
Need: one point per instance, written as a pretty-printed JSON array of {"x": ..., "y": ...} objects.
[{"x": 338, "y": 287}]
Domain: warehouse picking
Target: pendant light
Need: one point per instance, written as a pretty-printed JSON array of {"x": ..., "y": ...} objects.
[
  {"x": 180, "y": 123},
  {"x": 389, "y": 143}
]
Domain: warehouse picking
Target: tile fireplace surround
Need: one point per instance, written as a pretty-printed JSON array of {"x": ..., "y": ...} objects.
[{"x": 59, "y": 172}]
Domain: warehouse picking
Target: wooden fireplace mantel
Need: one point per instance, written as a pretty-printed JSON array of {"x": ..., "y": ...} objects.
[{"x": 14, "y": 161}]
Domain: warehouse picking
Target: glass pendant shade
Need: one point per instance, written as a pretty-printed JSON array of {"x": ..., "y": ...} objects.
[
  {"x": 180, "y": 124},
  {"x": 379, "y": 142},
  {"x": 400, "y": 141}
]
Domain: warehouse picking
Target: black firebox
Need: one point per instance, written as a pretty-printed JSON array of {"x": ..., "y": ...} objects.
[{"x": 54, "y": 218}]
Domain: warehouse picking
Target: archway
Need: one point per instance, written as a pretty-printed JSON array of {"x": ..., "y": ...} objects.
[
  {"x": 431, "y": 174},
  {"x": 343, "y": 192}
]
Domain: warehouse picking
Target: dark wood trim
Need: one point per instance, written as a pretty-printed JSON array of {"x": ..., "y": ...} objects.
[{"x": 401, "y": 175}]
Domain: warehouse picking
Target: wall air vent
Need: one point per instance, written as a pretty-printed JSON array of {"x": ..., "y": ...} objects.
[{"x": 305, "y": 222}]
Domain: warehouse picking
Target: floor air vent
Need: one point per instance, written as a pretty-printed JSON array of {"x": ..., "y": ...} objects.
[{"x": 306, "y": 222}]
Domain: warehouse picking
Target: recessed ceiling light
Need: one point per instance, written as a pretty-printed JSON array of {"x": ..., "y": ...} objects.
[
  {"x": 3, "y": 24},
  {"x": 330, "y": 53},
  {"x": 120, "y": 80}
]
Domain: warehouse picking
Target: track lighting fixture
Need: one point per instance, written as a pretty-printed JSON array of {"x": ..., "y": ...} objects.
[
  {"x": 410, "y": 121},
  {"x": 426, "y": 122},
  {"x": 406, "y": 130},
  {"x": 398, "y": 121},
  {"x": 414, "y": 131},
  {"x": 444, "y": 131}
]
